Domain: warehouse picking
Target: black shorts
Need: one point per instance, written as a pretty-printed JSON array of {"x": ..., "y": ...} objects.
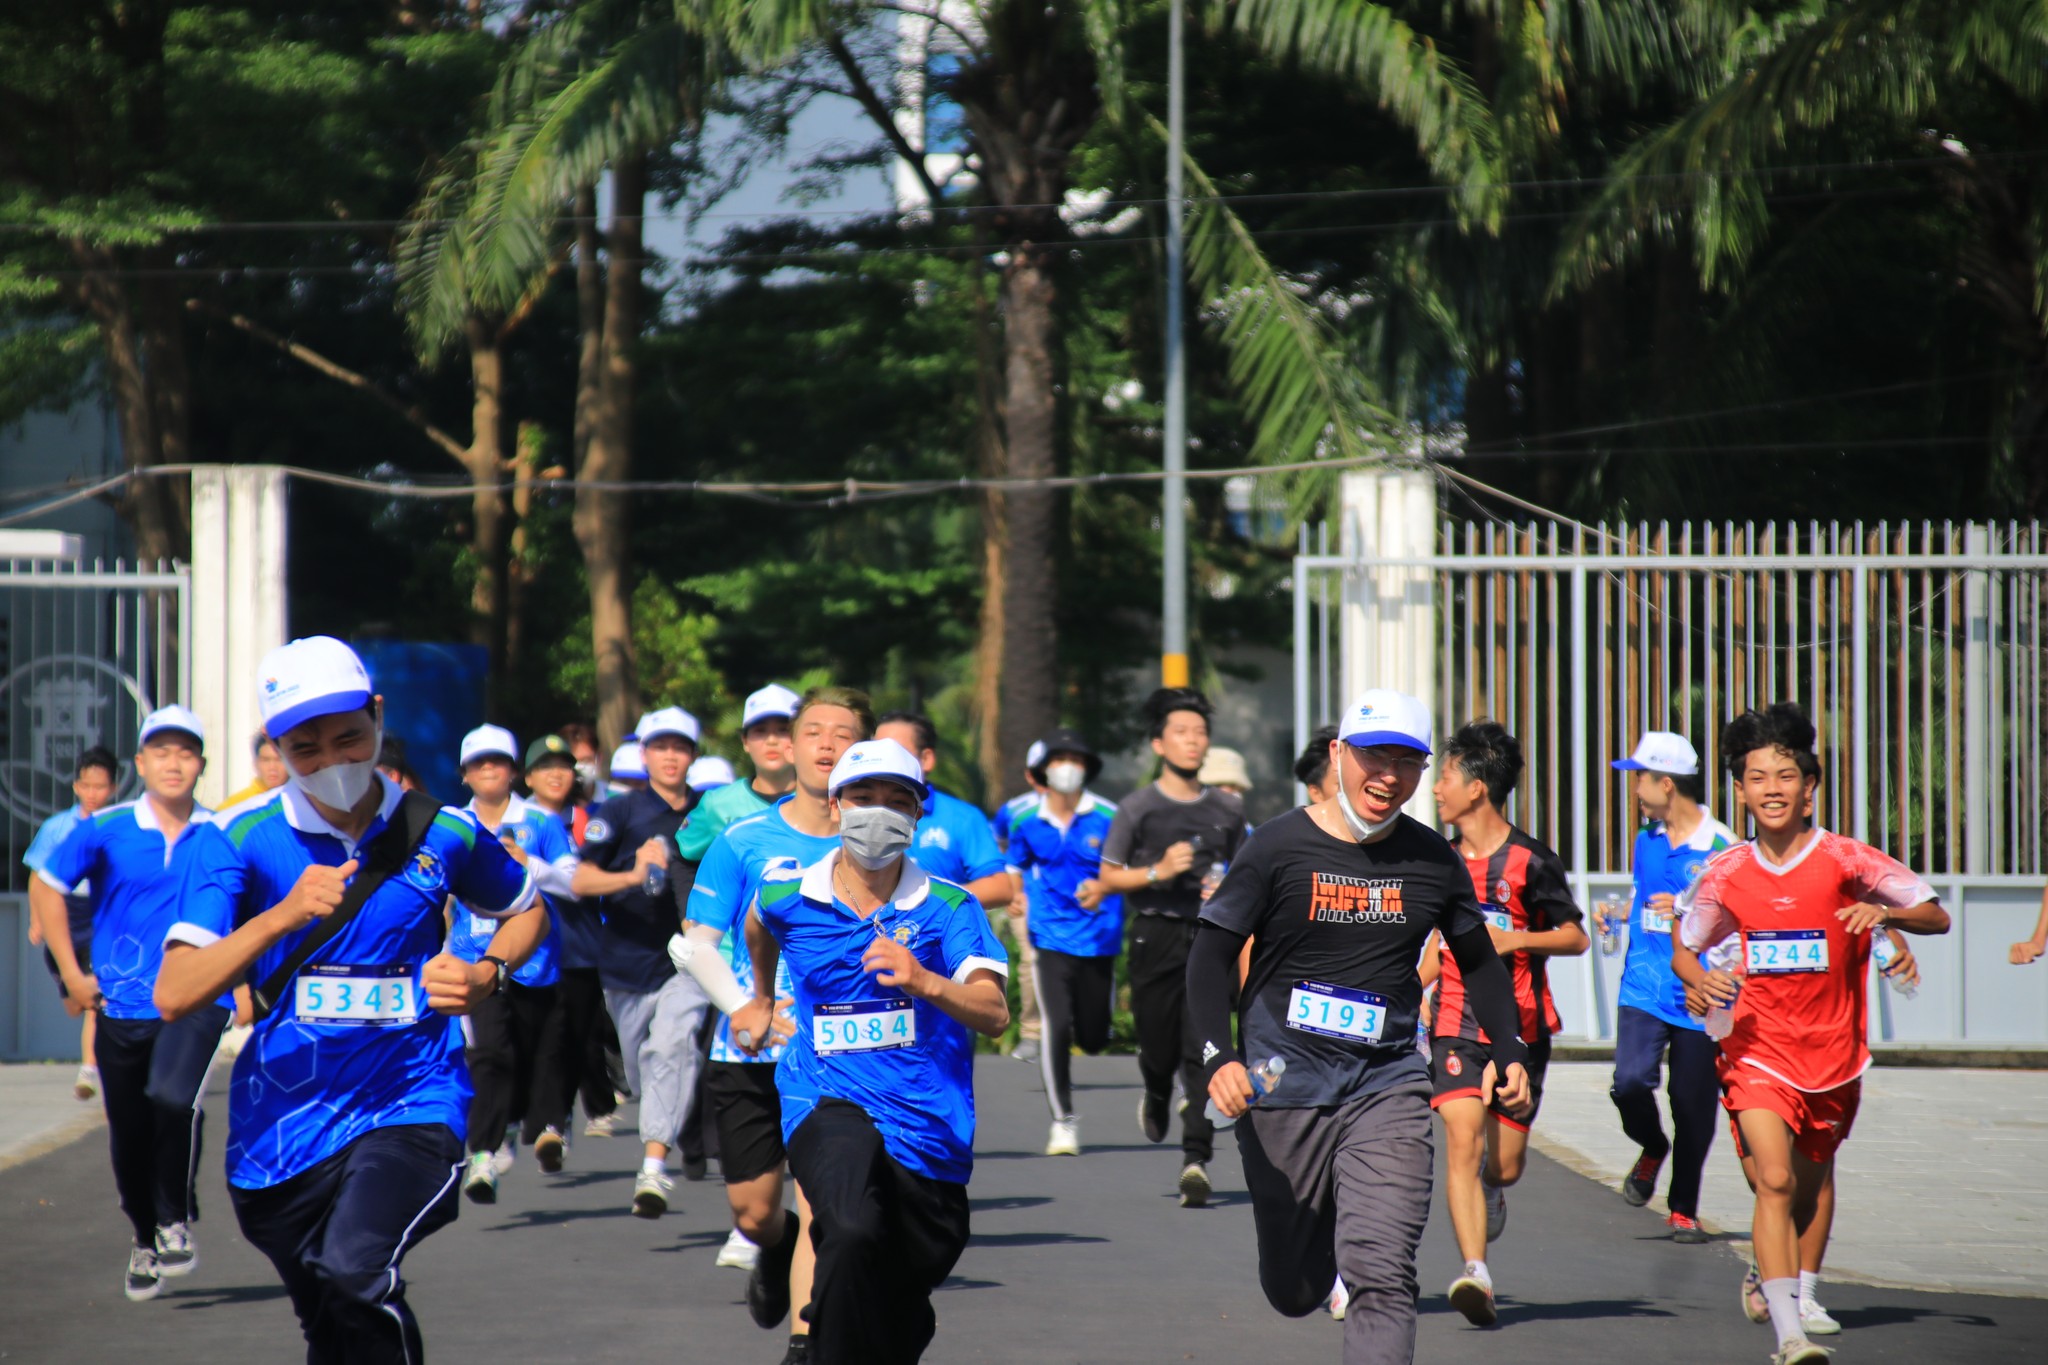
[
  {"x": 82, "y": 951},
  {"x": 748, "y": 1111},
  {"x": 1456, "y": 1065}
]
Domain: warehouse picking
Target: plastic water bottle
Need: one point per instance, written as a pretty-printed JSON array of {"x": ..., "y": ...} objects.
[
  {"x": 1721, "y": 1018},
  {"x": 1213, "y": 878},
  {"x": 657, "y": 879},
  {"x": 1265, "y": 1080},
  {"x": 1884, "y": 954},
  {"x": 1610, "y": 928}
]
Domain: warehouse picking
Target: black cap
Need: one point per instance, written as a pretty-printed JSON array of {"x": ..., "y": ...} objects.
[{"x": 1065, "y": 741}]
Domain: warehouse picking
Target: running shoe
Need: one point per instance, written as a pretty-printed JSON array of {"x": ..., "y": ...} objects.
[
  {"x": 1152, "y": 1116},
  {"x": 87, "y": 1087},
  {"x": 548, "y": 1149},
  {"x": 799, "y": 1352},
  {"x": 1801, "y": 1352},
  {"x": 506, "y": 1157},
  {"x": 738, "y": 1253},
  {"x": 177, "y": 1254},
  {"x": 1339, "y": 1300},
  {"x": 1642, "y": 1180},
  {"x": 1194, "y": 1186},
  {"x": 1026, "y": 1050},
  {"x": 143, "y": 1282},
  {"x": 1814, "y": 1318},
  {"x": 604, "y": 1125},
  {"x": 1755, "y": 1306},
  {"x": 1686, "y": 1228},
  {"x": 768, "y": 1285},
  {"x": 480, "y": 1179},
  {"x": 1472, "y": 1294},
  {"x": 1496, "y": 1211},
  {"x": 695, "y": 1168},
  {"x": 1065, "y": 1139},
  {"x": 651, "y": 1190}
]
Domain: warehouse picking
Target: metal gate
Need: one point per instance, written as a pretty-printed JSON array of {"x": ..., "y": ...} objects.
[{"x": 1917, "y": 650}]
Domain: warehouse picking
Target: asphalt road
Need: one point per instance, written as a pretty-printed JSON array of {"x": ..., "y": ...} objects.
[{"x": 1072, "y": 1260}]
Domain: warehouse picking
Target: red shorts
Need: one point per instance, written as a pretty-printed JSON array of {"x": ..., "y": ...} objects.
[{"x": 1820, "y": 1121}]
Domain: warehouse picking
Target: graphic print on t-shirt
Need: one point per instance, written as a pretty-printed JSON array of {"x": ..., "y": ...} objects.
[{"x": 1336, "y": 899}]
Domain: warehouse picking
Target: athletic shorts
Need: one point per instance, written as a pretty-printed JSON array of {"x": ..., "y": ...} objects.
[
  {"x": 1457, "y": 1064},
  {"x": 748, "y": 1112},
  {"x": 82, "y": 951},
  {"x": 1820, "y": 1120}
]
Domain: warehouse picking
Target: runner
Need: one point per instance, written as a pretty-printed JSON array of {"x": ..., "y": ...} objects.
[
  {"x": 1337, "y": 900},
  {"x": 1162, "y": 846},
  {"x": 764, "y": 733},
  {"x": 505, "y": 1030},
  {"x": 628, "y": 770},
  {"x": 708, "y": 774},
  {"x": 269, "y": 771},
  {"x": 1054, "y": 850},
  {"x": 1312, "y": 770},
  {"x": 1804, "y": 902},
  {"x": 627, "y": 862},
  {"x": 350, "y": 1099},
  {"x": 1652, "y": 1020},
  {"x": 1523, "y": 890},
  {"x": 92, "y": 786},
  {"x": 801, "y": 828},
  {"x": 2030, "y": 948},
  {"x": 1005, "y": 819},
  {"x": 151, "y": 1072},
  {"x": 895, "y": 972}
]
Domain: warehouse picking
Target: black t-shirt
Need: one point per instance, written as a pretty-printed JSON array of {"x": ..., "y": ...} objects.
[
  {"x": 1148, "y": 822},
  {"x": 1337, "y": 929},
  {"x": 632, "y": 953}
]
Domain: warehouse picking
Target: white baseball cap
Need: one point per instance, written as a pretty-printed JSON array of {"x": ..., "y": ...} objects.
[
  {"x": 669, "y": 720},
  {"x": 1383, "y": 716},
  {"x": 708, "y": 772},
  {"x": 626, "y": 762},
  {"x": 768, "y": 703},
  {"x": 173, "y": 717},
  {"x": 883, "y": 758},
  {"x": 489, "y": 741},
  {"x": 1034, "y": 757},
  {"x": 1660, "y": 751},
  {"x": 309, "y": 678}
]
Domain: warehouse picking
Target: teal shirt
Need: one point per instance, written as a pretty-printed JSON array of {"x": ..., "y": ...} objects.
[{"x": 728, "y": 805}]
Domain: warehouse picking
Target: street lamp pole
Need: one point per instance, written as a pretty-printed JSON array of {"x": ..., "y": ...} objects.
[{"x": 1173, "y": 662}]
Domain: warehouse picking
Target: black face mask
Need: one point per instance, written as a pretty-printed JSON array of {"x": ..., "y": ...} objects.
[{"x": 1184, "y": 774}]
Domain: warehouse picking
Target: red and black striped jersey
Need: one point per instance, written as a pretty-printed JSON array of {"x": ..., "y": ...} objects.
[{"x": 1521, "y": 886}]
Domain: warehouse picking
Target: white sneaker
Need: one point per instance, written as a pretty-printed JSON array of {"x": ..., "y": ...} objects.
[
  {"x": 143, "y": 1282},
  {"x": 505, "y": 1158},
  {"x": 176, "y": 1254},
  {"x": 1472, "y": 1294},
  {"x": 1194, "y": 1186},
  {"x": 738, "y": 1253},
  {"x": 480, "y": 1178},
  {"x": 604, "y": 1125},
  {"x": 1496, "y": 1211},
  {"x": 1065, "y": 1139},
  {"x": 650, "y": 1194},
  {"x": 1801, "y": 1352},
  {"x": 87, "y": 1083},
  {"x": 1812, "y": 1317},
  {"x": 1339, "y": 1300}
]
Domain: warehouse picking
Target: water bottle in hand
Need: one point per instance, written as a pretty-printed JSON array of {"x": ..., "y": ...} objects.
[
  {"x": 1721, "y": 1018},
  {"x": 657, "y": 879},
  {"x": 1213, "y": 878},
  {"x": 1265, "y": 1079},
  {"x": 1885, "y": 955},
  {"x": 1610, "y": 927}
]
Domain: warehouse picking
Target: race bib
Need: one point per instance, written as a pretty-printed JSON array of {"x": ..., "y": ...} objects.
[
  {"x": 1497, "y": 916},
  {"x": 355, "y": 997},
  {"x": 1775, "y": 952},
  {"x": 1336, "y": 1012},
  {"x": 1656, "y": 921},
  {"x": 863, "y": 1026}
]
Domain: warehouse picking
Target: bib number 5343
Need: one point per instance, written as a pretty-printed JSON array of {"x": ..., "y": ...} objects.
[{"x": 339, "y": 995}]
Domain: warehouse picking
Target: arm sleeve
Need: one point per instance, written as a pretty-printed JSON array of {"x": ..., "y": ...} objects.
[
  {"x": 1212, "y": 975},
  {"x": 1019, "y": 859},
  {"x": 1244, "y": 900},
  {"x": 490, "y": 883},
  {"x": 715, "y": 894},
  {"x": 1549, "y": 890},
  {"x": 48, "y": 836},
  {"x": 1123, "y": 834},
  {"x": 553, "y": 858},
  {"x": 970, "y": 945},
  {"x": 211, "y": 889},
  {"x": 1489, "y": 994},
  {"x": 700, "y": 829},
  {"x": 1703, "y": 919}
]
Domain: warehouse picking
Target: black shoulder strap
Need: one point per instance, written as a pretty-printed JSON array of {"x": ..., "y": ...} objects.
[{"x": 382, "y": 857}]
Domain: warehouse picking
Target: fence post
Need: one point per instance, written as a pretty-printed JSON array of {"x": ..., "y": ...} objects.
[
  {"x": 1977, "y": 756},
  {"x": 1302, "y": 646},
  {"x": 238, "y": 609},
  {"x": 1389, "y": 614},
  {"x": 1859, "y": 704},
  {"x": 1574, "y": 677}
]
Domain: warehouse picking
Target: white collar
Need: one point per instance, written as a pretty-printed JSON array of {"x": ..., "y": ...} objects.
[
  {"x": 146, "y": 817},
  {"x": 1780, "y": 869},
  {"x": 1703, "y": 834},
  {"x": 302, "y": 815},
  {"x": 911, "y": 889},
  {"x": 515, "y": 810}
]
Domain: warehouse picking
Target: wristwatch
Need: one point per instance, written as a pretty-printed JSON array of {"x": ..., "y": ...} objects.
[
  {"x": 498, "y": 987},
  {"x": 1152, "y": 874}
]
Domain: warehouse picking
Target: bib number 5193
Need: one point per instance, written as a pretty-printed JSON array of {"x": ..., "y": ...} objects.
[{"x": 1336, "y": 1011}]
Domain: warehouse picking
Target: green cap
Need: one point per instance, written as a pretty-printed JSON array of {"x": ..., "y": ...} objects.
[{"x": 547, "y": 747}]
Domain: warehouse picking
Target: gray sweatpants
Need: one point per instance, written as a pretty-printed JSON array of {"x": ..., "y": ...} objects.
[
  {"x": 658, "y": 1043},
  {"x": 1344, "y": 1191}
]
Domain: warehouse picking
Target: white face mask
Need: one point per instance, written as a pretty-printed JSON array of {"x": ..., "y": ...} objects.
[
  {"x": 338, "y": 786},
  {"x": 875, "y": 836},
  {"x": 1360, "y": 827},
  {"x": 1066, "y": 778}
]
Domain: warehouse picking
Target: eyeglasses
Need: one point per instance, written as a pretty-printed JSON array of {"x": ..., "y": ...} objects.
[{"x": 1388, "y": 759}]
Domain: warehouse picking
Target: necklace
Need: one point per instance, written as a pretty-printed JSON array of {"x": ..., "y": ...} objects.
[{"x": 852, "y": 889}]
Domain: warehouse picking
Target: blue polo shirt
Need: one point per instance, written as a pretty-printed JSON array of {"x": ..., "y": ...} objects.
[
  {"x": 728, "y": 880},
  {"x": 1053, "y": 862},
  {"x": 1647, "y": 981},
  {"x": 135, "y": 877},
  {"x": 50, "y": 837},
  {"x": 632, "y": 952},
  {"x": 1008, "y": 814},
  {"x": 920, "y": 1094},
  {"x": 329, "y": 1064},
  {"x": 578, "y": 921},
  {"x": 954, "y": 842},
  {"x": 546, "y": 844}
]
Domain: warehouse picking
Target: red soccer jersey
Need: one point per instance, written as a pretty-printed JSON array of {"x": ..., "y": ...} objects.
[
  {"x": 1801, "y": 1016},
  {"x": 1520, "y": 885}
]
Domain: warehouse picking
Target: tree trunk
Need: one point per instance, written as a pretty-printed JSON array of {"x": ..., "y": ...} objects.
[
  {"x": 1027, "y": 585},
  {"x": 169, "y": 377},
  {"x": 146, "y": 505},
  {"x": 601, "y": 519},
  {"x": 526, "y": 457},
  {"x": 485, "y": 461},
  {"x": 589, "y": 321}
]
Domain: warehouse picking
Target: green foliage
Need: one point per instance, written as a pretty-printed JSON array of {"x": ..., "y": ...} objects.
[{"x": 673, "y": 647}]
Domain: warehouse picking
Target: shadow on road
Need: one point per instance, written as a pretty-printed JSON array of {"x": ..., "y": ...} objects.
[
  {"x": 1028, "y": 1239},
  {"x": 1888, "y": 1315},
  {"x": 226, "y": 1294},
  {"x": 1008, "y": 1202},
  {"x": 1515, "y": 1310}
]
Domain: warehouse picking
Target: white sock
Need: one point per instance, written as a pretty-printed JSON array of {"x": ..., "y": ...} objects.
[
  {"x": 1477, "y": 1270},
  {"x": 1809, "y": 1287},
  {"x": 654, "y": 1165},
  {"x": 1783, "y": 1297}
]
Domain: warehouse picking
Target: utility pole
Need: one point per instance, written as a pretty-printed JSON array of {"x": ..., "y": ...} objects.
[{"x": 1173, "y": 661}]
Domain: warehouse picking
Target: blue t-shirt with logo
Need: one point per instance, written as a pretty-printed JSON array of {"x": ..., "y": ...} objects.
[
  {"x": 728, "y": 880},
  {"x": 352, "y": 1046},
  {"x": 135, "y": 881},
  {"x": 541, "y": 837},
  {"x": 954, "y": 842},
  {"x": 1053, "y": 862},
  {"x": 50, "y": 837},
  {"x": 1647, "y": 981},
  {"x": 908, "y": 1063},
  {"x": 1008, "y": 814}
]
